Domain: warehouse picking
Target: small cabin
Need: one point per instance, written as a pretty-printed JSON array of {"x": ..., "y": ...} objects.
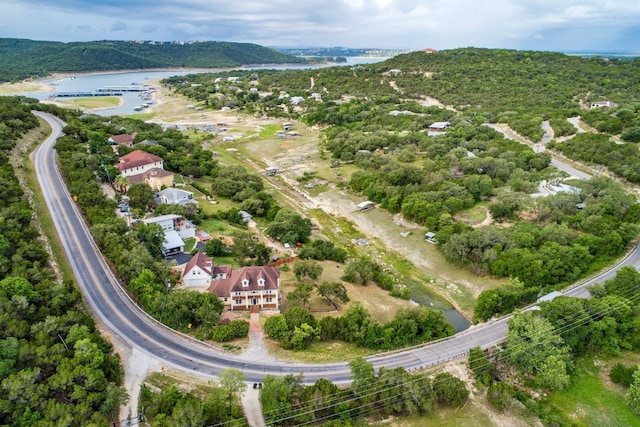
[
  {"x": 365, "y": 206},
  {"x": 430, "y": 237}
]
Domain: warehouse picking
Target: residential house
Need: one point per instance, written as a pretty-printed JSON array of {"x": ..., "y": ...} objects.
[
  {"x": 125, "y": 139},
  {"x": 198, "y": 271},
  {"x": 175, "y": 196},
  {"x": 140, "y": 166},
  {"x": 249, "y": 289},
  {"x": 175, "y": 228}
]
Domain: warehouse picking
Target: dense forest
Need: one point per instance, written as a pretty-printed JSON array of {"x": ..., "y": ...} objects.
[
  {"x": 55, "y": 367},
  {"x": 21, "y": 58}
]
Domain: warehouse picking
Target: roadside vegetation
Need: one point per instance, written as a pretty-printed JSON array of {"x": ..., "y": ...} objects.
[{"x": 55, "y": 367}]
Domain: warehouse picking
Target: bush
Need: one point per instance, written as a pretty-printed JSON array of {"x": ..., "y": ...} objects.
[
  {"x": 201, "y": 188},
  {"x": 232, "y": 330},
  {"x": 499, "y": 395},
  {"x": 622, "y": 375}
]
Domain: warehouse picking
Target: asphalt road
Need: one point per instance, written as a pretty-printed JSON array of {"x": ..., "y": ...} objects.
[{"x": 107, "y": 299}]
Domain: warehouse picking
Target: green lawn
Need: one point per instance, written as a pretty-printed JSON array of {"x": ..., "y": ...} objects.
[
  {"x": 93, "y": 102},
  {"x": 588, "y": 402}
]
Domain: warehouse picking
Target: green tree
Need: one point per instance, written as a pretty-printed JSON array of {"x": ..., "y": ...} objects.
[
  {"x": 361, "y": 270},
  {"x": 534, "y": 347},
  {"x": 289, "y": 227},
  {"x": 632, "y": 397},
  {"x": 140, "y": 196},
  {"x": 483, "y": 369},
  {"x": 332, "y": 291},
  {"x": 215, "y": 247},
  {"x": 152, "y": 237},
  {"x": 363, "y": 380},
  {"x": 276, "y": 327},
  {"x": 449, "y": 390},
  {"x": 232, "y": 382},
  {"x": 306, "y": 268},
  {"x": 303, "y": 336},
  {"x": 301, "y": 294}
]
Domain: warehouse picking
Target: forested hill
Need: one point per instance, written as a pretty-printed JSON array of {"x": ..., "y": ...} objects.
[
  {"x": 21, "y": 58},
  {"x": 510, "y": 79}
]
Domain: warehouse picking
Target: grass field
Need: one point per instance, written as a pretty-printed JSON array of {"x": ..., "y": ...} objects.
[
  {"x": 94, "y": 102},
  {"x": 589, "y": 402}
]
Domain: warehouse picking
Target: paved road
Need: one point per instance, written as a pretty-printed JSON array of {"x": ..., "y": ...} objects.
[
  {"x": 107, "y": 299},
  {"x": 556, "y": 163}
]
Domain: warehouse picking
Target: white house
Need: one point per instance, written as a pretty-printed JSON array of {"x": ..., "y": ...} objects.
[
  {"x": 175, "y": 196},
  {"x": 175, "y": 228},
  {"x": 198, "y": 271},
  {"x": 439, "y": 126},
  {"x": 137, "y": 162}
]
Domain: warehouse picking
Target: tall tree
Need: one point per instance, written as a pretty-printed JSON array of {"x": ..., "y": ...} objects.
[{"x": 534, "y": 347}]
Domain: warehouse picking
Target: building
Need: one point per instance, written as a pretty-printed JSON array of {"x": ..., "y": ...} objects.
[
  {"x": 138, "y": 162},
  {"x": 155, "y": 178},
  {"x": 198, "y": 271},
  {"x": 603, "y": 104},
  {"x": 249, "y": 289},
  {"x": 439, "y": 126},
  {"x": 201, "y": 270},
  {"x": 176, "y": 228},
  {"x": 142, "y": 167},
  {"x": 125, "y": 139},
  {"x": 175, "y": 196},
  {"x": 245, "y": 289}
]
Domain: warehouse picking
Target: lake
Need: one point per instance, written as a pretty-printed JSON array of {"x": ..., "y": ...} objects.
[{"x": 91, "y": 82}]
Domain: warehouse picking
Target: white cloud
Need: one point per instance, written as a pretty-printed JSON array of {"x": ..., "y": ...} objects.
[{"x": 358, "y": 23}]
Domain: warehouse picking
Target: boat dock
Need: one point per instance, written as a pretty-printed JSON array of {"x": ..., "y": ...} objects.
[
  {"x": 127, "y": 88},
  {"x": 83, "y": 94}
]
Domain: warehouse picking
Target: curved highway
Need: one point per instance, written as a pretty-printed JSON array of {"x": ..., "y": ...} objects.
[{"x": 108, "y": 300}]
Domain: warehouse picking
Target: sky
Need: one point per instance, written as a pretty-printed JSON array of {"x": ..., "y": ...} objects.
[{"x": 554, "y": 25}]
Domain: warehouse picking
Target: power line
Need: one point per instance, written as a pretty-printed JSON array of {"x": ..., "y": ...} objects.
[{"x": 335, "y": 399}]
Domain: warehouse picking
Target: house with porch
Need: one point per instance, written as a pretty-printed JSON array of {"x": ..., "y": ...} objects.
[
  {"x": 252, "y": 288},
  {"x": 175, "y": 196}
]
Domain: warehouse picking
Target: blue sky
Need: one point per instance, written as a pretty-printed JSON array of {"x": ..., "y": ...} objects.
[{"x": 559, "y": 25}]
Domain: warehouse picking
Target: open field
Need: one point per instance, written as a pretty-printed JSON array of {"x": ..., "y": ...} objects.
[
  {"x": 93, "y": 103},
  {"x": 590, "y": 401}
]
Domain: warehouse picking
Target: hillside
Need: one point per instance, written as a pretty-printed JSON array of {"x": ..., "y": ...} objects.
[{"x": 21, "y": 58}]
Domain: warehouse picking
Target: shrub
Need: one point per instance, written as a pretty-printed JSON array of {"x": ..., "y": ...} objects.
[
  {"x": 622, "y": 375},
  {"x": 499, "y": 395},
  {"x": 232, "y": 330}
]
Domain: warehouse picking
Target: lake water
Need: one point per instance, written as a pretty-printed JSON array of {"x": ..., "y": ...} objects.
[{"x": 91, "y": 82}]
